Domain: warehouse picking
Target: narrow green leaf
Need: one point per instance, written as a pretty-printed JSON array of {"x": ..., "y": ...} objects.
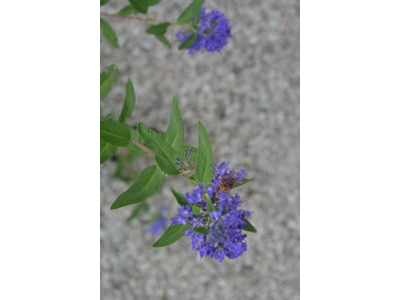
[
  {"x": 188, "y": 42},
  {"x": 138, "y": 208},
  {"x": 152, "y": 2},
  {"x": 114, "y": 133},
  {"x": 129, "y": 103},
  {"x": 210, "y": 206},
  {"x": 108, "y": 33},
  {"x": 145, "y": 135},
  {"x": 102, "y": 2},
  {"x": 171, "y": 235},
  {"x": 148, "y": 182},
  {"x": 202, "y": 230},
  {"x": 158, "y": 29},
  {"x": 205, "y": 158},
  {"x": 187, "y": 15},
  {"x": 180, "y": 198},
  {"x": 106, "y": 151},
  {"x": 174, "y": 133},
  {"x": 244, "y": 181},
  {"x": 101, "y": 111},
  {"x": 165, "y": 154},
  {"x": 107, "y": 79},
  {"x": 127, "y": 10},
  {"x": 249, "y": 227},
  {"x": 109, "y": 117},
  {"x": 163, "y": 40},
  {"x": 196, "y": 5},
  {"x": 139, "y": 5}
]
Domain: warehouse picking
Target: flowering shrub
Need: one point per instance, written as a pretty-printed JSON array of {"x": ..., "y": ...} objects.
[{"x": 210, "y": 215}]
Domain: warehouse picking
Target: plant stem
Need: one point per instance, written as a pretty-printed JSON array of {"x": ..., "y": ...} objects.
[
  {"x": 148, "y": 20},
  {"x": 144, "y": 148}
]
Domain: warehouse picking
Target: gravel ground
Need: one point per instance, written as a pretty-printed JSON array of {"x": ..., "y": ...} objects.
[{"x": 248, "y": 99}]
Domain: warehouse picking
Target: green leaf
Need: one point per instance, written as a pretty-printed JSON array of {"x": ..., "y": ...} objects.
[
  {"x": 209, "y": 31},
  {"x": 202, "y": 230},
  {"x": 244, "y": 181},
  {"x": 210, "y": 206},
  {"x": 109, "y": 117},
  {"x": 148, "y": 182},
  {"x": 145, "y": 135},
  {"x": 188, "y": 42},
  {"x": 249, "y": 227},
  {"x": 141, "y": 206},
  {"x": 152, "y": 2},
  {"x": 108, "y": 33},
  {"x": 102, "y": 2},
  {"x": 205, "y": 158},
  {"x": 101, "y": 111},
  {"x": 107, "y": 79},
  {"x": 165, "y": 154},
  {"x": 174, "y": 133},
  {"x": 106, "y": 151},
  {"x": 171, "y": 235},
  {"x": 129, "y": 103},
  {"x": 127, "y": 10},
  {"x": 195, "y": 209},
  {"x": 114, "y": 133},
  {"x": 180, "y": 198},
  {"x": 196, "y": 5},
  {"x": 139, "y": 5},
  {"x": 187, "y": 15},
  {"x": 163, "y": 40},
  {"x": 158, "y": 29}
]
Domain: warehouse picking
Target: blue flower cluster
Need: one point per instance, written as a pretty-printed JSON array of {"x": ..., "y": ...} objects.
[
  {"x": 212, "y": 32},
  {"x": 224, "y": 220}
]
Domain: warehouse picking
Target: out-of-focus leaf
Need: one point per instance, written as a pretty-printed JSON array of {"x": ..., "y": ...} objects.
[
  {"x": 108, "y": 33},
  {"x": 106, "y": 151},
  {"x": 107, "y": 79},
  {"x": 102, "y": 2},
  {"x": 141, "y": 206}
]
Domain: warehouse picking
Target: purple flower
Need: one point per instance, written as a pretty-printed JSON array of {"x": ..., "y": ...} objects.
[
  {"x": 158, "y": 225},
  {"x": 225, "y": 220},
  {"x": 212, "y": 32}
]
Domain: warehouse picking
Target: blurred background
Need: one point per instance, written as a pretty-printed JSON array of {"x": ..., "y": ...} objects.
[{"x": 248, "y": 99}]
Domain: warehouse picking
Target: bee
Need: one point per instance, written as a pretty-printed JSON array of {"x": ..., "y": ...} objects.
[{"x": 226, "y": 184}]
